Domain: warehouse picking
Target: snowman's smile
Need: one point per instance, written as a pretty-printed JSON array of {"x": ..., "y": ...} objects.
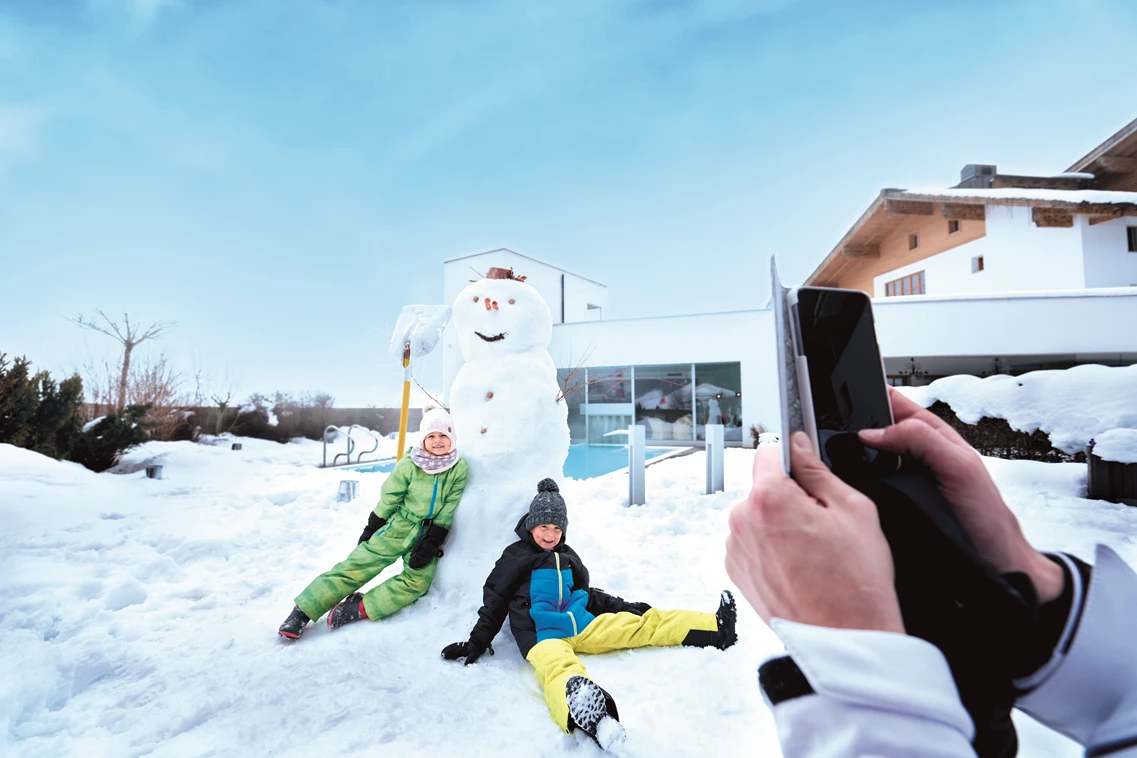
[{"x": 494, "y": 338}]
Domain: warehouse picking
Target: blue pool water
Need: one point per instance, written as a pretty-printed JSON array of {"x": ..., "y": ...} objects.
[
  {"x": 588, "y": 461},
  {"x": 583, "y": 462}
]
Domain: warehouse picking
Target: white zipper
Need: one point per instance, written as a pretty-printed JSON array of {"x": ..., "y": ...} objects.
[{"x": 560, "y": 583}]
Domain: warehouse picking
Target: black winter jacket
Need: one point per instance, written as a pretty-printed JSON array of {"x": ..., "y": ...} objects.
[{"x": 506, "y": 591}]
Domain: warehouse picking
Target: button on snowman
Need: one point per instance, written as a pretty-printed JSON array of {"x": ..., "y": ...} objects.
[{"x": 512, "y": 429}]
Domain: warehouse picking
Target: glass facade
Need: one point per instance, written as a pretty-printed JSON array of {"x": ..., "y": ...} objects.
[
  {"x": 608, "y": 406},
  {"x": 663, "y": 403},
  {"x": 674, "y": 402},
  {"x": 718, "y": 399}
]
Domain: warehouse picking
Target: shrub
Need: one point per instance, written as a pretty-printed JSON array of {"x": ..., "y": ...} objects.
[
  {"x": 19, "y": 398},
  {"x": 55, "y": 425},
  {"x": 100, "y": 447},
  {"x": 37, "y": 413},
  {"x": 994, "y": 437}
]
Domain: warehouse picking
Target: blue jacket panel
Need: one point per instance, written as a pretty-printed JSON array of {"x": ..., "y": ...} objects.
[{"x": 557, "y": 611}]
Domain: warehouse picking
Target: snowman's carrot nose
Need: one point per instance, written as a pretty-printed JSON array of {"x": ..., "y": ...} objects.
[
  {"x": 488, "y": 306},
  {"x": 495, "y": 305}
]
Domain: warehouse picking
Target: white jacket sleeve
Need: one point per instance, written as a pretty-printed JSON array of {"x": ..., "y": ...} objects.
[
  {"x": 874, "y": 694},
  {"x": 881, "y": 695},
  {"x": 1088, "y": 690}
]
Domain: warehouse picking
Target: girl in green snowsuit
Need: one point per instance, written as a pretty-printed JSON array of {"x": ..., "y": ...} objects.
[{"x": 411, "y": 522}]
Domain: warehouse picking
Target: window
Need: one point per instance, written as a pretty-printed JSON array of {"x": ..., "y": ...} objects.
[
  {"x": 913, "y": 242},
  {"x": 1132, "y": 232},
  {"x": 913, "y": 284},
  {"x": 952, "y": 226},
  {"x": 663, "y": 403},
  {"x": 608, "y": 404},
  {"x": 718, "y": 399},
  {"x": 977, "y": 264}
]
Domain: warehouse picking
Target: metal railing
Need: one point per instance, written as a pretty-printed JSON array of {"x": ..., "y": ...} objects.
[{"x": 351, "y": 444}]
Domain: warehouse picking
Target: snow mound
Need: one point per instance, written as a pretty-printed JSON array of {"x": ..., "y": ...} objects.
[
  {"x": 1072, "y": 406},
  {"x": 1118, "y": 445}
]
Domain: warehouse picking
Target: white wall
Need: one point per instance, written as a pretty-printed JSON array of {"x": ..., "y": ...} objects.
[
  {"x": 1106, "y": 257},
  {"x": 1074, "y": 321},
  {"x": 585, "y": 300},
  {"x": 1017, "y": 256}
]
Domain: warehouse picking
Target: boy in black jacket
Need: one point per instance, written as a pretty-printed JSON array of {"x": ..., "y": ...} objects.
[{"x": 542, "y": 585}]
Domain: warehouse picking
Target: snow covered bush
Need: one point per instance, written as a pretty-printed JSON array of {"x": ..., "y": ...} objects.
[
  {"x": 995, "y": 437},
  {"x": 100, "y": 446}
]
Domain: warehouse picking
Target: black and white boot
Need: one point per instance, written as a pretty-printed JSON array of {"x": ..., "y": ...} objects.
[
  {"x": 727, "y": 615},
  {"x": 293, "y": 626},
  {"x": 348, "y": 610},
  {"x": 593, "y": 711}
]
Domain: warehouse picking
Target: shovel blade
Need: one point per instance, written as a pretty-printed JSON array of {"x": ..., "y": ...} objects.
[{"x": 419, "y": 326}]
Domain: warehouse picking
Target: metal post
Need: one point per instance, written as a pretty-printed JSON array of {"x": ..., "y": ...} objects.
[
  {"x": 715, "y": 440},
  {"x": 637, "y": 441}
]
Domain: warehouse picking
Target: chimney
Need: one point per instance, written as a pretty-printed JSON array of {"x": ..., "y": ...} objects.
[{"x": 976, "y": 176}]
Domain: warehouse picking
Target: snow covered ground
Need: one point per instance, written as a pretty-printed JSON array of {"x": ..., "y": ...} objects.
[{"x": 138, "y": 617}]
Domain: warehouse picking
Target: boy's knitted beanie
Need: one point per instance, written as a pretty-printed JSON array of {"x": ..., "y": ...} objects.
[
  {"x": 437, "y": 420},
  {"x": 548, "y": 507}
]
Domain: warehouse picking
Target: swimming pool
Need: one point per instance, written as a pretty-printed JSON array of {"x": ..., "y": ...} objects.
[{"x": 583, "y": 462}]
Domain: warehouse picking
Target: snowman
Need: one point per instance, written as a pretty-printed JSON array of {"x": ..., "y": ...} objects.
[{"x": 509, "y": 418}]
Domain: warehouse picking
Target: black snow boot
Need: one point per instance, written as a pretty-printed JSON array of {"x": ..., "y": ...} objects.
[
  {"x": 726, "y": 615},
  {"x": 593, "y": 711},
  {"x": 346, "y": 611},
  {"x": 725, "y": 636},
  {"x": 293, "y": 626}
]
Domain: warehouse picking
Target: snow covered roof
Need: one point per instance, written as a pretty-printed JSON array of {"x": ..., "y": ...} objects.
[
  {"x": 894, "y": 207},
  {"x": 1072, "y": 199}
]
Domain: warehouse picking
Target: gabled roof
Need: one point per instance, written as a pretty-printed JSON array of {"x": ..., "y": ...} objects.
[
  {"x": 894, "y": 207},
  {"x": 1116, "y": 156},
  {"x": 526, "y": 257}
]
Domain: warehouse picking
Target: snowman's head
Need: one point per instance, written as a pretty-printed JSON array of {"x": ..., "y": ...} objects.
[{"x": 496, "y": 316}]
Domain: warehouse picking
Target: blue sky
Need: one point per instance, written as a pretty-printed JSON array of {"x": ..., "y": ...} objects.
[{"x": 279, "y": 177}]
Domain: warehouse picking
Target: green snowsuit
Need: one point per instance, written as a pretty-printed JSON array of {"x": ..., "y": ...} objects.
[{"x": 410, "y": 496}]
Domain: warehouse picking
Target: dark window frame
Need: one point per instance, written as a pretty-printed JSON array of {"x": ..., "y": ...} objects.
[{"x": 912, "y": 284}]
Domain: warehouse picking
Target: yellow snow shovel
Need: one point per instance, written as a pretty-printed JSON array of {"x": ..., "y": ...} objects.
[{"x": 416, "y": 333}]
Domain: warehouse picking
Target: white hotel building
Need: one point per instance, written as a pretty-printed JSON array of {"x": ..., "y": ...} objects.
[{"x": 1000, "y": 274}]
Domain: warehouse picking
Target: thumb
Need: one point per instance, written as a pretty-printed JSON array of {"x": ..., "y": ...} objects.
[
  {"x": 813, "y": 476},
  {"x": 918, "y": 440}
]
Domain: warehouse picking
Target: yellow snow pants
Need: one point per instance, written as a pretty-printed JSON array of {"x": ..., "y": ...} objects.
[{"x": 555, "y": 661}]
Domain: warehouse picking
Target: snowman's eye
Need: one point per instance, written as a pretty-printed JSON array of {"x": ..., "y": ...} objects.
[
  {"x": 512, "y": 301},
  {"x": 476, "y": 298}
]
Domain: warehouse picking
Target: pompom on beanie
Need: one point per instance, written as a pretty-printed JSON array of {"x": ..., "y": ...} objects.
[{"x": 548, "y": 507}]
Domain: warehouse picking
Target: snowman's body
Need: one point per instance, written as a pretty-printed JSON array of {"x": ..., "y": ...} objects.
[{"x": 511, "y": 426}]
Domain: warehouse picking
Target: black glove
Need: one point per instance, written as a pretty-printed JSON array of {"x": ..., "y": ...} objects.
[
  {"x": 374, "y": 524},
  {"x": 470, "y": 650},
  {"x": 600, "y": 601},
  {"x": 428, "y": 547}
]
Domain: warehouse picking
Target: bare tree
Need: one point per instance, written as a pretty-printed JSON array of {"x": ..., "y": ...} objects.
[
  {"x": 129, "y": 336},
  {"x": 574, "y": 379}
]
